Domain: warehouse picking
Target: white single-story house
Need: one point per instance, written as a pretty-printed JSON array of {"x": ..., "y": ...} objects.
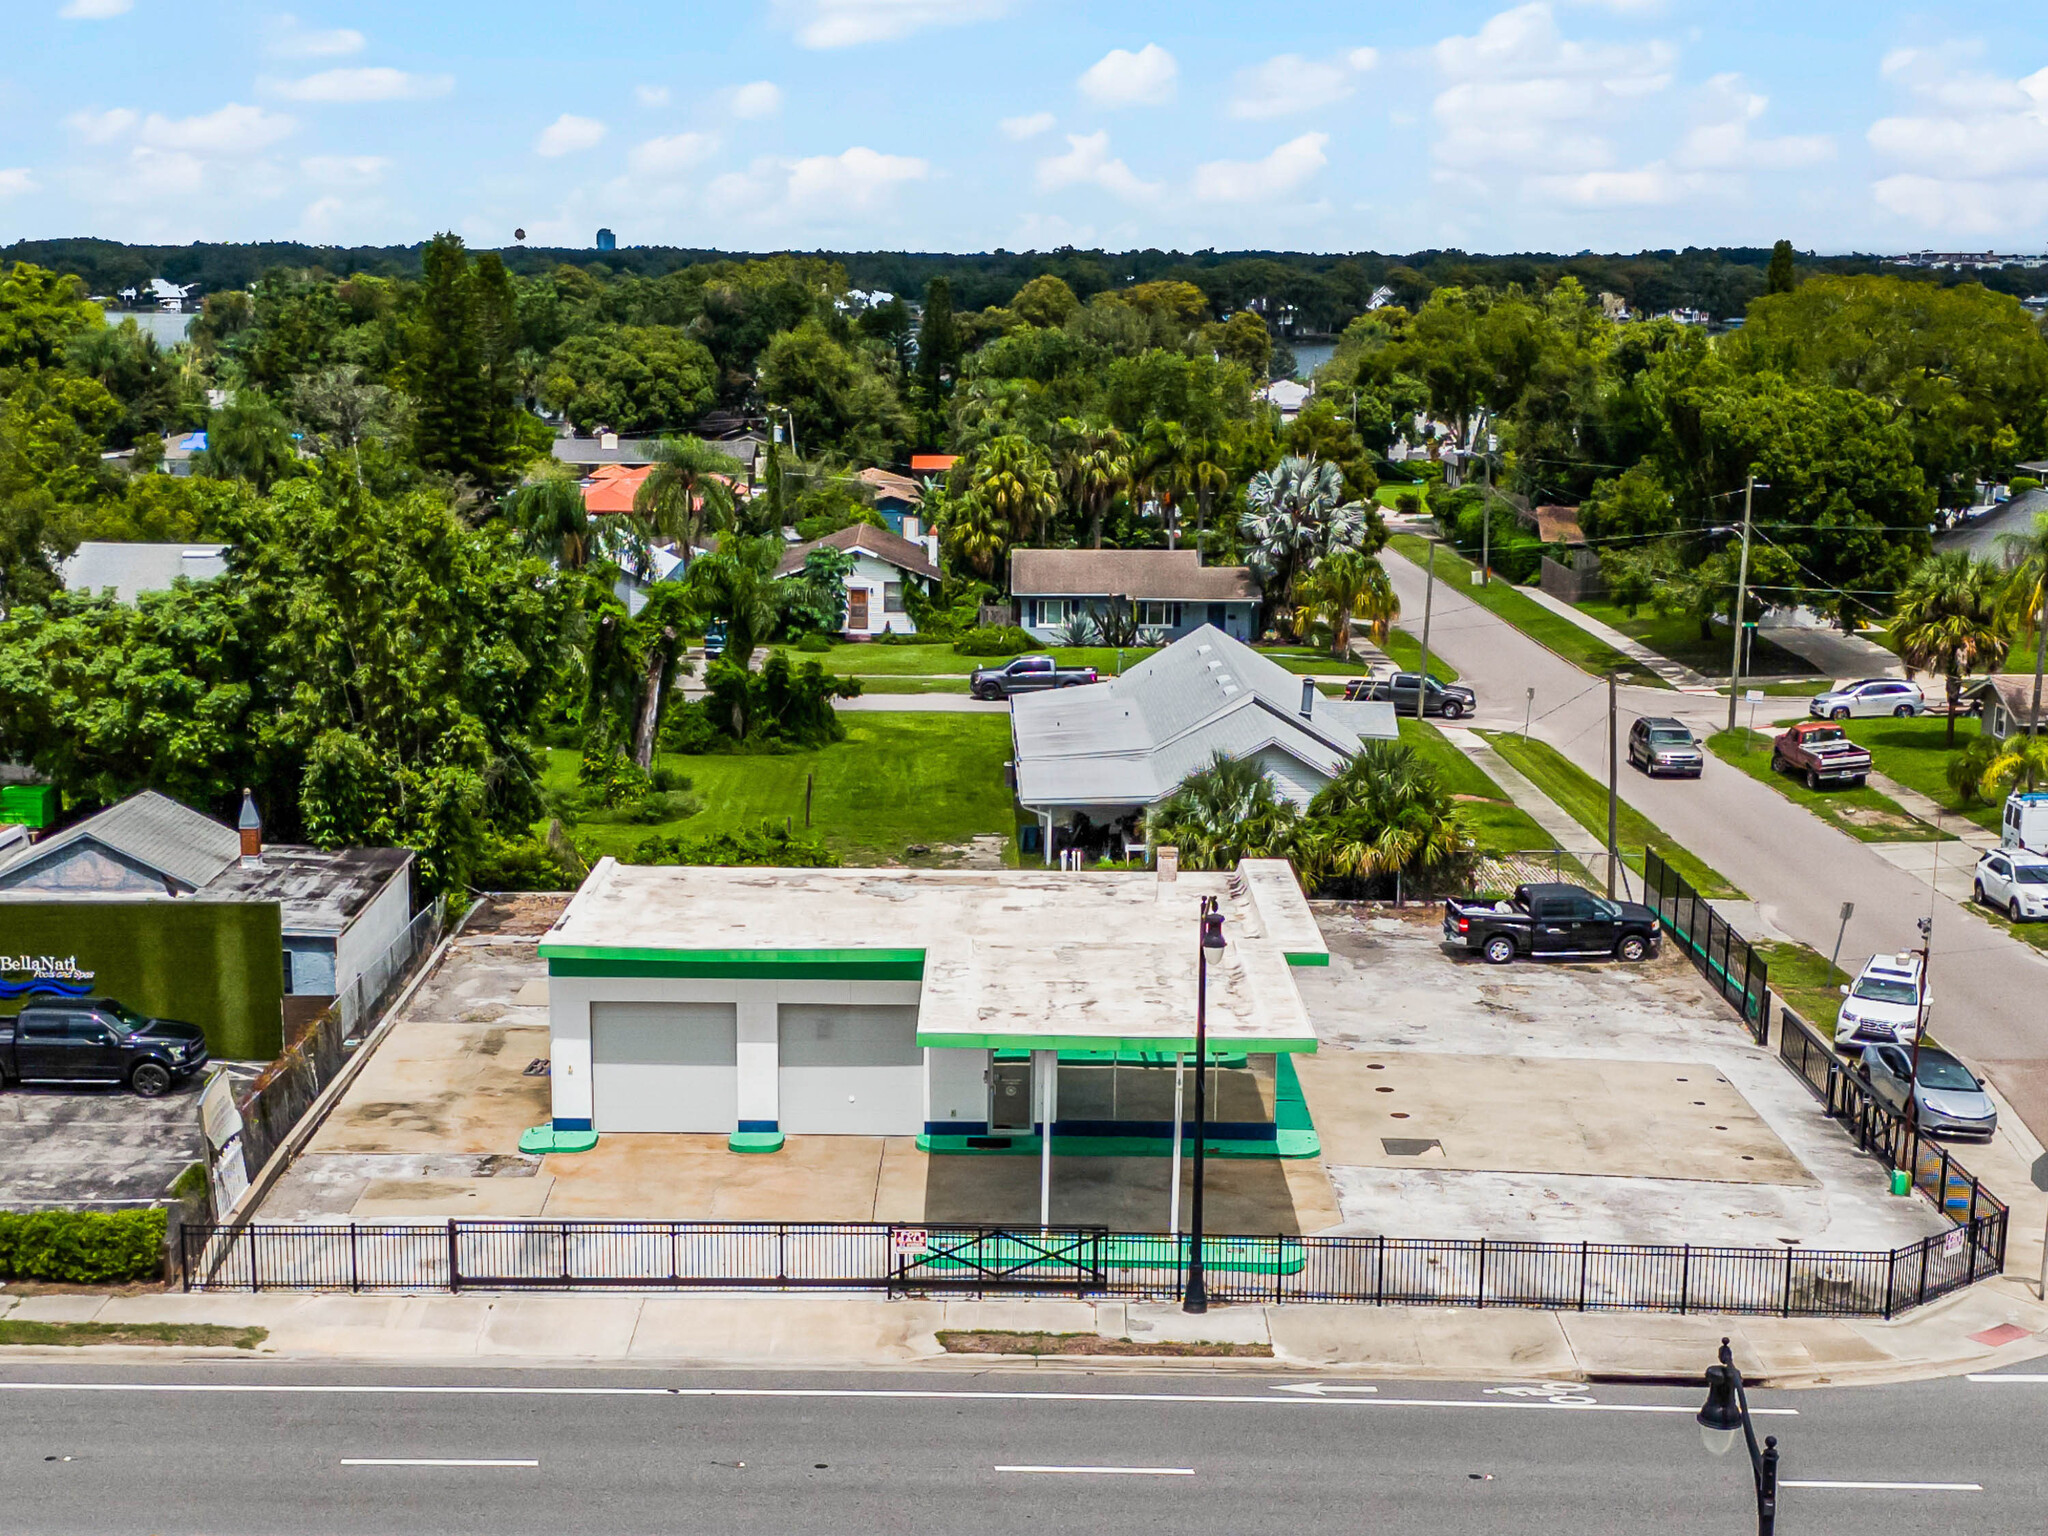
[
  {"x": 884, "y": 565},
  {"x": 132, "y": 569},
  {"x": 974, "y": 1010},
  {"x": 1102, "y": 754},
  {"x": 2005, "y": 701},
  {"x": 1168, "y": 590}
]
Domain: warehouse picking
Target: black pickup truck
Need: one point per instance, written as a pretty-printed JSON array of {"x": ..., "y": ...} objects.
[
  {"x": 1551, "y": 922},
  {"x": 97, "y": 1040},
  {"x": 1027, "y": 674}
]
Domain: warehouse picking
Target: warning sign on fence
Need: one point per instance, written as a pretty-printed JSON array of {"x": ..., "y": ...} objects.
[
  {"x": 1953, "y": 1243},
  {"x": 910, "y": 1242}
]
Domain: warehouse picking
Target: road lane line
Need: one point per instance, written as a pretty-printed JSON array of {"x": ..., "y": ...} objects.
[
  {"x": 1110, "y": 1471},
  {"x": 905, "y": 1393},
  {"x": 1887, "y": 1487},
  {"x": 2029, "y": 1380},
  {"x": 435, "y": 1461}
]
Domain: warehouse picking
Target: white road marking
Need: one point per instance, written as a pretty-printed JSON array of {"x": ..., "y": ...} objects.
[
  {"x": 908, "y": 1393},
  {"x": 1111, "y": 1471},
  {"x": 2031, "y": 1380},
  {"x": 1890, "y": 1487},
  {"x": 434, "y": 1461},
  {"x": 1324, "y": 1388}
]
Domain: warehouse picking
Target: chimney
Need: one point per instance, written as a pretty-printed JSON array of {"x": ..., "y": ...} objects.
[
  {"x": 251, "y": 828},
  {"x": 1308, "y": 698},
  {"x": 608, "y": 442}
]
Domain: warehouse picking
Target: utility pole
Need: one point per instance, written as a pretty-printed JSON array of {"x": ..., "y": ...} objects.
[
  {"x": 1741, "y": 599},
  {"x": 2034, "y": 721},
  {"x": 1486, "y": 520},
  {"x": 1428, "y": 602},
  {"x": 1613, "y": 775}
]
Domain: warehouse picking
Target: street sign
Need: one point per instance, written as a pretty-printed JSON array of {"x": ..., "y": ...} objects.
[
  {"x": 910, "y": 1242},
  {"x": 1753, "y": 695}
]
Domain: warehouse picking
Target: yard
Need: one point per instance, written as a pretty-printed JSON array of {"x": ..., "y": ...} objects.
[
  {"x": 1678, "y": 637},
  {"x": 1497, "y": 824},
  {"x": 1585, "y": 800},
  {"x": 1863, "y": 813},
  {"x": 897, "y": 781},
  {"x": 1914, "y": 752}
]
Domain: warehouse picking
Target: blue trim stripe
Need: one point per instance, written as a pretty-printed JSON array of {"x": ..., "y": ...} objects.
[
  {"x": 759, "y": 1125},
  {"x": 59, "y": 988},
  {"x": 570, "y": 1123}
]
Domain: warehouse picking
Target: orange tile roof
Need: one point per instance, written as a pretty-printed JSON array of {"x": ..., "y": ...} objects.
[
  {"x": 932, "y": 463},
  {"x": 612, "y": 494}
]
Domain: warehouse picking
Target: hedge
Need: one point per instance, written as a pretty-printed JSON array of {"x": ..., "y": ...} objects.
[{"x": 82, "y": 1247}]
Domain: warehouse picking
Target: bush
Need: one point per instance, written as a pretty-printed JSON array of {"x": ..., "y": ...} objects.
[
  {"x": 1409, "y": 503},
  {"x": 1965, "y": 769},
  {"x": 815, "y": 644},
  {"x": 2021, "y": 484},
  {"x": 81, "y": 1247},
  {"x": 522, "y": 864},
  {"x": 994, "y": 640},
  {"x": 776, "y": 846}
]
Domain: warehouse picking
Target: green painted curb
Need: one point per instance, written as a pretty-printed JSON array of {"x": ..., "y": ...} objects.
[
  {"x": 1307, "y": 957},
  {"x": 545, "y": 1138},
  {"x": 754, "y": 1141}
]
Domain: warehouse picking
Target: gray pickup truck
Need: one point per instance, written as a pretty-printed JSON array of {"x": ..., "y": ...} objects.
[
  {"x": 1027, "y": 674},
  {"x": 1551, "y": 922},
  {"x": 97, "y": 1040}
]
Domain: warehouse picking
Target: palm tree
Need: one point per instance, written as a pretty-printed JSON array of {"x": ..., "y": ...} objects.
[
  {"x": 1094, "y": 467},
  {"x": 688, "y": 491},
  {"x": 1207, "y": 477},
  {"x": 1385, "y": 813},
  {"x": 973, "y": 534},
  {"x": 2026, "y": 602},
  {"x": 1163, "y": 472},
  {"x": 1222, "y": 813},
  {"x": 551, "y": 518},
  {"x": 1296, "y": 514},
  {"x": 1948, "y": 620},
  {"x": 736, "y": 583},
  {"x": 2021, "y": 758},
  {"x": 1349, "y": 585},
  {"x": 1015, "y": 478}
]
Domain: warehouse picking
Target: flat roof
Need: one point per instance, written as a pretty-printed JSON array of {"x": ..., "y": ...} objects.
[
  {"x": 1040, "y": 959},
  {"x": 319, "y": 891}
]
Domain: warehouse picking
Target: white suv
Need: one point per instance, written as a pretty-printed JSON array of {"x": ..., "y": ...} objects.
[
  {"x": 1884, "y": 1004},
  {"x": 2014, "y": 881},
  {"x": 1873, "y": 696}
]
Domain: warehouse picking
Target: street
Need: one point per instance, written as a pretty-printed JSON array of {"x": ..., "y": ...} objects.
[
  {"x": 278, "y": 1449},
  {"x": 1798, "y": 869}
]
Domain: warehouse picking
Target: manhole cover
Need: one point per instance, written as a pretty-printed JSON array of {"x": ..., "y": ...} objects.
[{"x": 1412, "y": 1146}]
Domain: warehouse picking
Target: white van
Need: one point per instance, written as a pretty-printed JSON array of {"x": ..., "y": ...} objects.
[{"x": 2026, "y": 822}]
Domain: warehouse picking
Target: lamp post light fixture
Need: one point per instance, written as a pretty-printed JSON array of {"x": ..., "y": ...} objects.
[
  {"x": 1724, "y": 1415},
  {"x": 1196, "y": 1297}
]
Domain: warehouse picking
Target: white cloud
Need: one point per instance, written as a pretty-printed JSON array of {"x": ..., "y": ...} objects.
[
  {"x": 568, "y": 135},
  {"x": 1968, "y": 155},
  {"x": 345, "y": 170},
  {"x": 843, "y": 23},
  {"x": 359, "y": 85},
  {"x": 1720, "y": 140},
  {"x": 16, "y": 181},
  {"x": 1029, "y": 126},
  {"x": 1288, "y": 83},
  {"x": 234, "y": 130},
  {"x": 1087, "y": 162},
  {"x": 288, "y": 39},
  {"x": 672, "y": 155},
  {"x": 761, "y": 98},
  {"x": 94, "y": 10},
  {"x": 1654, "y": 185},
  {"x": 102, "y": 127},
  {"x": 820, "y": 189},
  {"x": 1121, "y": 78},
  {"x": 651, "y": 95},
  {"x": 1249, "y": 181}
]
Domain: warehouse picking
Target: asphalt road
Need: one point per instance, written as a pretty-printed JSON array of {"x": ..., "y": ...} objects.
[
  {"x": 271, "y": 1449},
  {"x": 1988, "y": 987}
]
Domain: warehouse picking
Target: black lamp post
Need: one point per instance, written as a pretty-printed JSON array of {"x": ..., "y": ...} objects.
[
  {"x": 1726, "y": 1411},
  {"x": 1196, "y": 1298}
]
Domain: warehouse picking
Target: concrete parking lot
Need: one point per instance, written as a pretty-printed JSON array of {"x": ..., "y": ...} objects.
[
  {"x": 1604, "y": 1103},
  {"x": 91, "y": 1148}
]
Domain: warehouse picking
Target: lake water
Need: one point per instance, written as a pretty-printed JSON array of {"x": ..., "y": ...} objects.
[
  {"x": 168, "y": 330},
  {"x": 1309, "y": 356}
]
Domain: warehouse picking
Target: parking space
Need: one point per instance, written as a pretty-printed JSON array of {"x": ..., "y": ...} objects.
[{"x": 85, "y": 1148}]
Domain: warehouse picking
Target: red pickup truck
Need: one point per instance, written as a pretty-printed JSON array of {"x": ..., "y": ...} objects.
[{"x": 1821, "y": 752}]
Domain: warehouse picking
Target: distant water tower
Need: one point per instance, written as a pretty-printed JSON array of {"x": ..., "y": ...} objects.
[{"x": 607, "y": 241}]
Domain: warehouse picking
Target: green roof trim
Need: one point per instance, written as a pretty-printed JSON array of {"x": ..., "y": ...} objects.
[
  {"x": 1132, "y": 1045},
  {"x": 1308, "y": 957},
  {"x": 792, "y": 964}
]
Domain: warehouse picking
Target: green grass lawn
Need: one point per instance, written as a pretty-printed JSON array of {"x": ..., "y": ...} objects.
[
  {"x": 1308, "y": 661},
  {"x": 1803, "y": 978},
  {"x": 1678, "y": 637},
  {"x": 1498, "y": 825},
  {"x": 913, "y": 685},
  {"x": 1530, "y": 617},
  {"x": 1863, "y": 813},
  {"x": 942, "y": 660},
  {"x": 1914, "y": 751},
  {"x": 1404, "y": 650},
  {"x": 1585, "y": 800},
  {"x": 897, "y": 779}
]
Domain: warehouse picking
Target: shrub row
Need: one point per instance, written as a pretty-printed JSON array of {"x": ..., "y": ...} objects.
[{"x": 81, "y": 1247}]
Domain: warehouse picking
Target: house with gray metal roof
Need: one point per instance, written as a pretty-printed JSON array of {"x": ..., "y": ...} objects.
[
  {"x": 132, "y": 569},
  {"x": 1103, "y": 754}
]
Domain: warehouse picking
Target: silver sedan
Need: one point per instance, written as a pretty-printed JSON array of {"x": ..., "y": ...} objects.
[{"x": 1949, "y": 1099}]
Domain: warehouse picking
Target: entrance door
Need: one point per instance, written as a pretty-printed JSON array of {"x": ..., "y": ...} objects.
[
  {"x": 1009, "y": 1099},
  {"x": 857, "y": 609},
  {"x": 664, "y": 1067}
]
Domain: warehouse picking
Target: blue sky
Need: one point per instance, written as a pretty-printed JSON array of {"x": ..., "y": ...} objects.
[{"x": 971, "y": 124}]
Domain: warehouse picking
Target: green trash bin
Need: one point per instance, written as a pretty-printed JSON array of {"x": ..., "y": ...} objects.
[{"x": 1902, "y": 1182}]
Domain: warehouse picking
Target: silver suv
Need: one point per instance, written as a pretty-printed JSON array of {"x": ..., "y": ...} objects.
[{"x": 1873, "y": 696}]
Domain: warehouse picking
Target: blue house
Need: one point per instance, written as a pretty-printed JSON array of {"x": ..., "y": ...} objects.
[{"x": 1169, "y": 590}]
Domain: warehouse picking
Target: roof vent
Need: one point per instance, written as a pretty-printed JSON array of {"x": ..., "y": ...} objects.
[
  {"x": 1229, "y": 689},
  {"x": 1308, "y": 698}
]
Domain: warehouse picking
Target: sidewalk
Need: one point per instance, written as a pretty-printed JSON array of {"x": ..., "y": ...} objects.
[
  {"x": 1832, "y": 653},
  {"x": 1675, "y": 673},
  {"x": 1994, "y": 1324},
  {"x": 1544, "y": 811}
]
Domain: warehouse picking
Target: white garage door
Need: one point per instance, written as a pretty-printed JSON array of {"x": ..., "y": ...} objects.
[
  {"x": 665, "y": 1066},
  {"x": 851, "y": 1070}
]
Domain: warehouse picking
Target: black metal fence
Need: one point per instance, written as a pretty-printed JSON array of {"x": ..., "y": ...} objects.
[
  {"x": 1086, "y": 1261},
  {"x": 1728, "y": 961},
  {"x": 1980, "y": 1215}
]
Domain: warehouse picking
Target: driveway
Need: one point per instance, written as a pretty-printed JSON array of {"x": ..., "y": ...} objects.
[{"x": 1799, "y": 870}]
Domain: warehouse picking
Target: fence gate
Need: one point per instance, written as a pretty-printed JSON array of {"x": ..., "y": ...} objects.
[{"x": 1066, "y": 1260}]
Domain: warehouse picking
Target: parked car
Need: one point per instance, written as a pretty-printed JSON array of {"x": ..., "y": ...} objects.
[
  {"x": 2014, "y": 881},
  {"x": 97, "y": 1040},
  {"x": 1820, "y": 752},
  {"x": 1451, "y": 701},
  {"x": 1027, "y": 674},
  {"x": 1872, "y": 696},
  {"x": 1885, "y": 1003},
  {"x": 1658, "y": 744},
  {"x": 714, "y": 640},
  {"x": 1948, "y": 1099},
  {"x": 1551, "y": 922}
]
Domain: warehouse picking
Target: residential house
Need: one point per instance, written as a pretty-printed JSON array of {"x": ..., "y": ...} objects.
[
  {"x": 885, "y": 566},
  {"x": 132, "y": 569},
  {"x": 1288, "y": 396},
  {"x": 1170, "y": 590},
  {"x": 1096, "y": 757},
  {"x": 1984, "y": 536},
  {"x": 632, "y": 452},
  {"x": 2005, "y": 702},
  {"x": 896, "y": 497},
  {"x": 181, "y": 449}
]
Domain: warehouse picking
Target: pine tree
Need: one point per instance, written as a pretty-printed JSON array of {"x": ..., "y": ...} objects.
[
  {"x": 938, "y": 353},
  {"x": 1781, "y": 278},
  {"x": 459, "y": 370}
]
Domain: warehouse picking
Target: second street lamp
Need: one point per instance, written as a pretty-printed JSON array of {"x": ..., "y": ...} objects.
[
  {"x": 1196, "y": 1297},
  {"x": 1723, "y": 1416}
]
